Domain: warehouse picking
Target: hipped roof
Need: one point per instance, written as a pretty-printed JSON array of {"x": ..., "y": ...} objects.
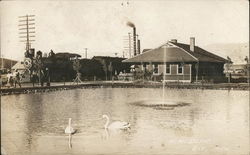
[
  {"x": 176, "y": 52},
  {"x": 201, "y": 54},
  {"x": 171, "y": 54}
]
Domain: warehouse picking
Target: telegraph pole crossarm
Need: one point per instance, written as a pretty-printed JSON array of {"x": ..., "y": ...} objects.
[{"x": 24, "y": 28}]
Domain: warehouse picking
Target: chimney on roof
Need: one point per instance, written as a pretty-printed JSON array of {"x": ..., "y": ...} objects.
[
  {"x": 138, "y": 46},
  {"x": 173, "y": 40},
  {"x": 192, "y": 44}
]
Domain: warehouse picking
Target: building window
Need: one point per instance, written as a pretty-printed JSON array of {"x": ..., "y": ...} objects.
[
  {"x": 144, "y": 66},
  {"x": 156, "y": 69},
  {"x": 167, "y": 68},
  {"x": 180, "y": 69}
]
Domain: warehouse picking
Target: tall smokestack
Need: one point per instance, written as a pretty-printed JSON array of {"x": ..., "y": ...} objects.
[
  {"x": 134, "y": 35},
  {"x": 138, "y": 46},
  {"x": 192, "y": 44},
  {"x": 129, "y": 45},
  {"x": 134, "y": 40}
]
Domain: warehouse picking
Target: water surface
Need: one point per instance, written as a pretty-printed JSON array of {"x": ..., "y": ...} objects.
[{"x": 214, "y": 122}]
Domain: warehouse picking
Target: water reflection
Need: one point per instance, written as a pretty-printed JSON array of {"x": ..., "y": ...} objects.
[
  {"x": 70, "y": 141},
  {"x": 34, "y": 117},
  {"x": 35, "y": 123}
]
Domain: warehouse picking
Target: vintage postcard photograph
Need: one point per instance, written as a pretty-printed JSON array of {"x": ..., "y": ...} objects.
[{"x": 124, "y": 77}]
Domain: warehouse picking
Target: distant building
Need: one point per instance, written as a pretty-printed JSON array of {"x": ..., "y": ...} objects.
[
  {"x": 25, "y": 74},
  {"x": 67, "y": 55},
  {"x": 112, "y": 66},
  {"x": 237, "y": 72},
  {"x": 181, "y": 62},
  {"x": 7, "y": 63}
]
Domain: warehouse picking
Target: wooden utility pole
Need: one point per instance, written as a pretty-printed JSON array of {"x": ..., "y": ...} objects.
[
  {"x": 129, "y": 45},
  {"x": 27, "y": 35},
  {"x": 86, "y": 53},
  {"x": 111, "y": 70},
  {"x": 2, "y": 64},
  {"x": 27, "y": 29}
]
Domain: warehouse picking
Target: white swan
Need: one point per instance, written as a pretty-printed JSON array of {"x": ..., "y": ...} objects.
[
  {"x": 116, "y": 124},
  {"x": 69, "y": 129}
]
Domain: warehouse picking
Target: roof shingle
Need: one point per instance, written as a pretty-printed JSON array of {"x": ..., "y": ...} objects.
[{"x": 201, "y": 54}]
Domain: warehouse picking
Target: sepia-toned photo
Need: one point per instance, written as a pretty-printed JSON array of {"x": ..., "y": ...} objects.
[{"x": 124, "y": 77}]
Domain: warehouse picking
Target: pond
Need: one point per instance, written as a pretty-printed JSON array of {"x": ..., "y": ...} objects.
[{"x": 212, "y": 122}]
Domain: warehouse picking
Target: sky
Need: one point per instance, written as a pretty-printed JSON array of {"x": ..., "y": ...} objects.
[{"x": 100, "y": 26}]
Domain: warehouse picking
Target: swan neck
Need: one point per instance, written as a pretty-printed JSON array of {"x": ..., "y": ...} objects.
[
  {"x": 107, "y": 122},
  {"x": 69, "y": 123}
]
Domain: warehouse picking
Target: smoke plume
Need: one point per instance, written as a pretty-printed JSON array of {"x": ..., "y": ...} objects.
[{"x": 130, "y": 24}]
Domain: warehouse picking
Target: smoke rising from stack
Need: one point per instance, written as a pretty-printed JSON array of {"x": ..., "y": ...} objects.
[{"x": 130, "y": 24}]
